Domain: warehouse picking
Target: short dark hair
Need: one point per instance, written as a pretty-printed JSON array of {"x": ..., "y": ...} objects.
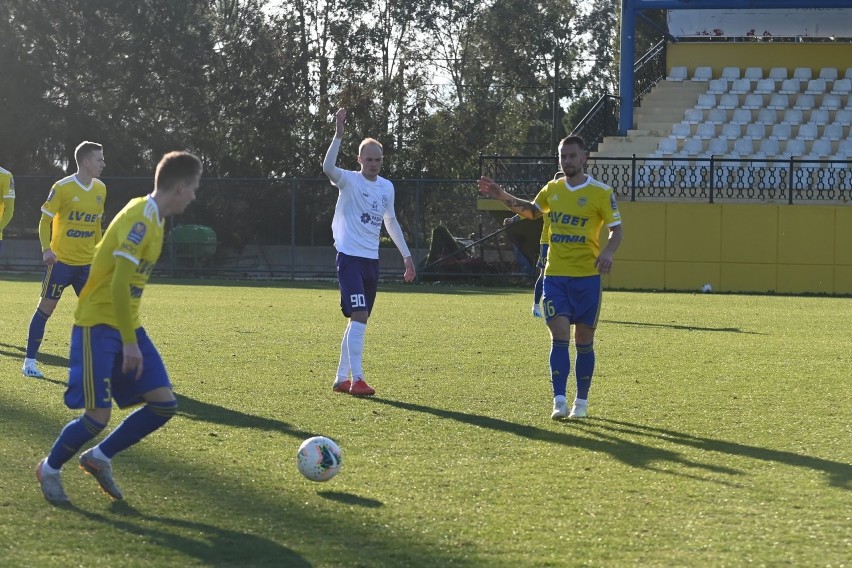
[
  {"x": 574, "y": 140},
  {"x": 175, "y": 167},
  {"x": 83, "y": 149}
]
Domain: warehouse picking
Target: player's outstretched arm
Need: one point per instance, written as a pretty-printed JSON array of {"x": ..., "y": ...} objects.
[
  {"x": 522, "y": 207},
  {"x": 329, "y": 165}
]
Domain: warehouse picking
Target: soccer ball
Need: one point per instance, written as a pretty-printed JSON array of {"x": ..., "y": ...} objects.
[
  {"x": 707, "y": 288},
  {"x": 319, "y": 458}
]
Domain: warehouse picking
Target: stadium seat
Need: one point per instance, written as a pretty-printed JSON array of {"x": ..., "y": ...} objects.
[
  {"x": 753, "y": 74},
  {"x": 843, "y": 116},
  {"x": 677, "y": 74},
  {"x": 702, "y": 74},
  {"x": 793, "y": 116},
  {"x": 717, "y": 115},
  {"x": 692, "y": 146},
  {"x": 755, "y": 131},
  {"x": 781, "y": 131},
  {"x": 790, "y": 87},
  {"x": 794, "y": 147},
  {"x": 821, "y": 147},
  {"x": 693, "y": 115},
  {"x": 765, "y": 87},
  {"x": 740, "y": 87},
  {"x": 667, "y": 146},
  {"x": 778, "y": 102},
  {"x": 717, "y": 147},
  {"x": 828, "y": 73},
  {"x": 744, "y": 146},
  {"x": 681, "y": 130},
  {"x": 808, "y": 131},
  {"x": 731, "y": 73},
  {"x": 705, "y": 130},
  {"x": 767, "y": 116},
  {"x": 729, "y": 101},
  {"x": 731, "y": 131},
  {"x": 803, "y": 73},
  {"x": 816, "y": 87},
  {"x": 804, "y": 102},
  {"x": 741, "y": 116},
  {"x": 717, "y": 86},
  {"x": 753, "y": 101},
  {"x": 845, "y": 147},
  {"x": 842, "y": 87},
  {"x": 778, "y": 74},
  {"x": 706, "y": 101},
  {"x": 830, "y": 102},
  {"x": 833, "y": 131},
  {"x": 769, "y": 147},
  {"x": 819, "y": 116}
]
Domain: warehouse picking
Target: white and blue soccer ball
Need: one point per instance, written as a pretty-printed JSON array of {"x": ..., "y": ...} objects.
[
  {"x": 319, "y": 458},
  {"x": 707, "y": 288}
]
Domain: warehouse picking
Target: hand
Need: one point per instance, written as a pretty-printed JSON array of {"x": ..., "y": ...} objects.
[
  {"x": 410, "y": 273},
  {"x": 132, "y": 359},
  {"x": 48, "y": 257},
  {"x": 339, "y": 122},
  {"x": 604, "y": 263},
  {"x": 489, "y": 188},
  {"x": 509, "y": 220}
]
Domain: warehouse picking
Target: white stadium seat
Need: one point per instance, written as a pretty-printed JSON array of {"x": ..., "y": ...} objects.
[
  {"x": 692, "y": 146},
  {"x": 667, "y": 146},
  {"x": 731, "y": 131},
  {"x": 717, "y": 115},
  {"x": 741, "y": 116},
  {"x": 848, "y": 74},
  {"x": 842, "y": 87},
  {"x": 753, "y": 101},
  {"x": 765, "y": 87},
  {"x": 793, "y": 116},
  {"x": 744, "y": 147},
  {"x": 778, "y": 102},
  {"x": 845, "y": 147},
  {"x": 794, "y": 147},
  {"x": 706, "y": 101},
  {"x": 753, "y": 73},
  {"x": 833, "y": 131},
  {"x": 755, "y": 131},
  {"x": 740, "y": 86},
  {"x": 803, "y": 73},
  {"x": 778, "y": 73},
  {"x": 717, "y": 86},
  {"x": 830, "y": 102},
  {"x": 731, "y": 73},
  {"x": 821, "y": 147},
  {"x": 767, "y": 116},
  {"x": 729, "y": 101},
  {"x": 819, "y": 116},
  {"x": 693, "y": 115},
  {"x": 790, "y": 87},
  {"x": 828, "y": 73},
  {"x": 677, "y": 74},
  {"x": 705, "y": 130},
  {"x": 843, "y": 116},
  {"x": 681, "y": 130},
  {"x": 804, "y": 102},
  {"x": 781, "y": 131},
  {"x": 808, "y": 131},
  {"x": 717, "y": 147},
  {"x": 769, "y": 147},
  {"x": 816, "y": 87},
  {"x": 702, "y": 74}
]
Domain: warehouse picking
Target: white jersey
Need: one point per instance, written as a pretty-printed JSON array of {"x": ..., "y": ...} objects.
[{"x": 362, "y": 206}]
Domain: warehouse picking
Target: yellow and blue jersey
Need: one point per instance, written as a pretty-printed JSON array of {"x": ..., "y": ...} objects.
[
  {"x": 136, "y": 234},
  {"x": 76, "y": 212},
  {"x": 545, "y": 231},
  {"x": 576, "y": 216},
  {"x": 7, "y": 191}
]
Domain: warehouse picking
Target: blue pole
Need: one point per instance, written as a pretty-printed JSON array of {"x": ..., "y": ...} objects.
[{"x": 628, "y": 57}]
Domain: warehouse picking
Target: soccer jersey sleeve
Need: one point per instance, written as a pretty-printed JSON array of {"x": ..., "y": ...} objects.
[
  {"x": 54, "y": 202},
  {"x": 131, "y": 244},
  {"x": 610, "y": 213},
  {"x": 541, "y": 200}
]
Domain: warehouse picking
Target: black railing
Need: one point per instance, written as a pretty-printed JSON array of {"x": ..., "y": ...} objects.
[{"x": 649, "y": 70}]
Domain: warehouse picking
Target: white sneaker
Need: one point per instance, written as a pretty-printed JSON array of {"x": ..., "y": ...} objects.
[
  {"x": 30, "y": 370},
  {"x": 536, "y": 311},
  {"x": 560, "y": 408},
  {"x": 578, "y": 409}
]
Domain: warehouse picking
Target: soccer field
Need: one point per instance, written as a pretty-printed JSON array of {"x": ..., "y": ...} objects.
[{"x": 720, "y": 434}]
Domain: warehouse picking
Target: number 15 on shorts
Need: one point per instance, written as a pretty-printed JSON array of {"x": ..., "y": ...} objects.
[{"x": 357, "y": 301}]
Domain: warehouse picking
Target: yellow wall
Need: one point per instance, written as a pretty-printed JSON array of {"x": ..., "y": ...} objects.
[
  {"x": 765, "y": 55},
  {"x": 736, "y": 248}
]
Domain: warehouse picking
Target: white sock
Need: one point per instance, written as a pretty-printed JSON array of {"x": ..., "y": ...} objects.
[
  {"x": 355, "y": 344},
  {"x": 45, "y": 467},
  {"x": 343, "y": 366},
  {"x": 581, "y": 401},
  {"x": 98, "y": 454},
  {"x": 559, "y": 398},
  {"x": 29, "y": 361}
]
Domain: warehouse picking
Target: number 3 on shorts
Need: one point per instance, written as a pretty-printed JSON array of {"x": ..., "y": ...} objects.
[{"x": 358, "y": 301}]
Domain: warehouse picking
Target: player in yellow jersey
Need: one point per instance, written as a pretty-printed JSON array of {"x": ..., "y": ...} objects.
[
  {"x": 69, "y": 229},
  {"x": 578, "y": 207},
  {"x": 7, "y": 200},
  {"x": 112, "y": 357}
]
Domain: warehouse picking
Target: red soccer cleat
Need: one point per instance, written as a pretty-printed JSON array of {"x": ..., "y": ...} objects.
[
  {"x": 342, "y": 386},
  {"x": 361, "y": 388}
]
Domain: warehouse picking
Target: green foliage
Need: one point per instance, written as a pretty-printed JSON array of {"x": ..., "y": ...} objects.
[{"x": 717, "y": 437}]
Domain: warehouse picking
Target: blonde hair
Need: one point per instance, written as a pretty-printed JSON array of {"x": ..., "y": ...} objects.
[{"x": 367, "y": 142}]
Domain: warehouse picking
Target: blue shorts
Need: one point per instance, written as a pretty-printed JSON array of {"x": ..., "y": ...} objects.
[
  {"x": 94, "y": 375},
  {"x": 60, "y": 275},
  {"x": 542, "y": 256},
  {"x": 359, "y": 280},
  {"x": 576, "y": 298}
]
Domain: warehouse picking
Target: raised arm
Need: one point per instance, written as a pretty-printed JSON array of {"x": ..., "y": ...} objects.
[
  {"x": 329, "y": 165},
  {"x": 524, "y": 208}
]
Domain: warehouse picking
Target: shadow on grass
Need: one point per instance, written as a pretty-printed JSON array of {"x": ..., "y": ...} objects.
[
  {"x": 213, "y": 546},
  {"x": 839, "y": 474},
  {"x": 630, "y": 453},
  {"x": 18, "y": 352},
  {"x": 350, "y": 499},
  {"x": 206, "y": 412},
  {"x": 683, "y": 327}
]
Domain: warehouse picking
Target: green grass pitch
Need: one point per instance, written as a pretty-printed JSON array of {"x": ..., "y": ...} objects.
[{"x": 720, "y": 434}]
